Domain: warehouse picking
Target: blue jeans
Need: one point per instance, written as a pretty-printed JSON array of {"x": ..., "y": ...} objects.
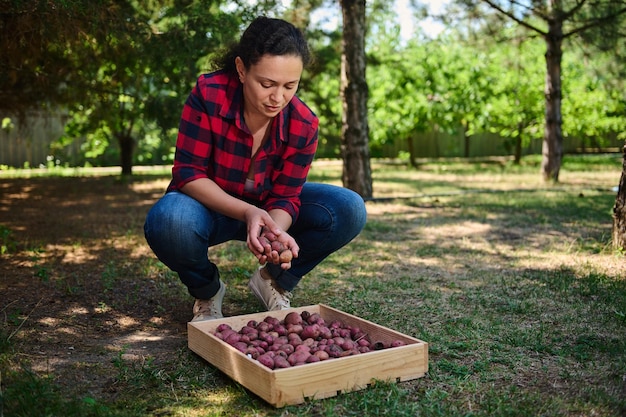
[{"x": 180, "y": 231}]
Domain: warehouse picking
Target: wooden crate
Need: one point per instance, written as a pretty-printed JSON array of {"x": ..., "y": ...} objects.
[{"x": 317, "y": 380}]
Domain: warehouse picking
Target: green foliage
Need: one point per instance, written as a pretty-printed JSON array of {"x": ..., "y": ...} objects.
[
  {"x": 8, "y": 243},
  {"x": 123, "y": 70},
  {"x": 29, "y": 395}
]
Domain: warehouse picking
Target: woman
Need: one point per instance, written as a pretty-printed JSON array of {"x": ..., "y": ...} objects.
[{"x": 244, "y": 148}]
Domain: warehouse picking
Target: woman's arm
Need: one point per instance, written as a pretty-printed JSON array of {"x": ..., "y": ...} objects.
[{"x": 258, "y": 221}]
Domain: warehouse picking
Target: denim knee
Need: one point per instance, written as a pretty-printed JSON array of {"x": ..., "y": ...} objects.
[{"x": 176, "y": 230}]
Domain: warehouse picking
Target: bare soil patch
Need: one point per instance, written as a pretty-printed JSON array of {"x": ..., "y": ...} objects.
[{"x": 69, "y": 307}]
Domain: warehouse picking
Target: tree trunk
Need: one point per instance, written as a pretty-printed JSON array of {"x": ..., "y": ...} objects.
[
  {"x": 619, "y": 210},
  {"x": 412, "y": 157},
  {"x": 518, "y": 144},
  {"x": 466, "y": 140},
  {"x": 357, "y": 174},
  {"x": 552, "y": 149},
  {"x": 126, "y": 153}
]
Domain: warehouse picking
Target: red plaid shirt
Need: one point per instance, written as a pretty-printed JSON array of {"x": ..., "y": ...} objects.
[{"x": 213, "y": 142}]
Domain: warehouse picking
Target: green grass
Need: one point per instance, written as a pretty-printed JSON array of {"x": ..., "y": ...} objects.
[{"x": 518, "y": 293}]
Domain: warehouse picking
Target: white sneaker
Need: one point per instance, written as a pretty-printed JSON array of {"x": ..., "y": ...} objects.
[
  {"x": 268, "y": 292},
  {"x": 209, "y": 309}
]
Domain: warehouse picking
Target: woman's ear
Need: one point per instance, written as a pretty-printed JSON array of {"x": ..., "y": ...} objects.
[{"x": 241, "y": 69}]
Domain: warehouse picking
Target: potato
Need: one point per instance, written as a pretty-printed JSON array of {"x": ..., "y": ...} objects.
[
  {"x": 277, "y": 246},
  {"x": 298, "y": 339},
  {"x": 294, "y": 328},
  {"x": 313, "y": 358},
  {"x": 223, "y": 327},
  {"x": 287, "y": 348},
  {"x": 297, "y": 357},
  {"x": 266, "y": 360},
  {"x": 285, "y": 256},
  {"x": 322, "y": 354},
  {"x": 293, "y": 318},
  {"x": 273, "y": 321},
  {"x": 281, "y": 362},
  {"x": 312, "y": 331}
]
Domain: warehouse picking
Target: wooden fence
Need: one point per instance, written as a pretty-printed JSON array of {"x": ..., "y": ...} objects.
[{"x": 28, "y": 144}]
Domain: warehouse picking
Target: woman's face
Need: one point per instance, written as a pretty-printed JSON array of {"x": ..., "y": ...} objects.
[{"x": 269, "y": 85}]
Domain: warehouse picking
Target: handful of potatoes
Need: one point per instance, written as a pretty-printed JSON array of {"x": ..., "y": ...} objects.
[
  {"x": 285, "y": 255},
  {"x": 298, "y": 339}
]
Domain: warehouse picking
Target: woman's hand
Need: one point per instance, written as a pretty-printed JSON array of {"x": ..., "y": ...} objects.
[
  {"x": 266, "y": 239},
  {"x": 283, "y": 248}
]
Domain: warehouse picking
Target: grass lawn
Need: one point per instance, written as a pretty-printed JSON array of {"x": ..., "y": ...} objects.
[{"x": 512, "y": 282}]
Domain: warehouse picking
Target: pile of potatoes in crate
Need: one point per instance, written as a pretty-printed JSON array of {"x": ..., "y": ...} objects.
[{"x": 299, "y": 339}]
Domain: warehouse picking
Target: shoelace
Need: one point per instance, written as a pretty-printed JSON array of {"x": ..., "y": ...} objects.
[
  {"x": 207, "y": 307},
  {"x": 282, "y": 299}
]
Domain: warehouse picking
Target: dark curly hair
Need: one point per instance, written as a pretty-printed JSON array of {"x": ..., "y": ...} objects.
[{"x": 266, "y": 36}]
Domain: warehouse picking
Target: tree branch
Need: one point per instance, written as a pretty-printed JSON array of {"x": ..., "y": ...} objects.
[
  {"x": 527, "y": 25},
  {"x": 594, "y": 23}
]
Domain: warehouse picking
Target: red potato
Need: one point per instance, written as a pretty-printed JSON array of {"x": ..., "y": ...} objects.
[
  {"x": 298, "y": 339},
  {"x": 225, "y": 333},
  {"x": 281, "y": 362},
  {"x": 298, "y": 357},
  {"x": 294, "y": 328},
  {"x": 287, "y": 348},
  {"x": 277, "y": 246},
  {"x": 233, "y": 338},
  {"x": 281, "y": 330},
  {"x": 315, "y": 318},
  {"x": 349, "y": 345},
  {"x": 247, "y": 329},
  {"x": 294, "y": 337},
  {"x": 303, "y": 348},
  {"x": 334, "y": 351},
  {"x": 223, "y": 327},
  {"x": 309, "y": 342},
  {"x": 252, "y": 352},
  {"x": 312, "y": 331},
  {"x": 312, "y": 359},
  {"x": 266, "y": 360},
  {"x": 263, "y": 327},
  {"x": 363, "y": 342},
  {"x": 293, "y": 318},
  {"x": 323, "y": 355},
  {"x": 273, "y": 321},
  {"x": 335, "y": 324},
  {"x": 240, "y": 346},
  {"x": 355, "y": 332},
  {"x": 325, "y": 332}
]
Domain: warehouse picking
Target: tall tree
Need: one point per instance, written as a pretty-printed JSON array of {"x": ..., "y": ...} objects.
[
  {"x": 555, "y": 21},
  {"x": 36, "y": 37},
  {"x": 122, "y": 68},
  {"x": 357, "y": 173},
  {"x": 140, "y": 75}
]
